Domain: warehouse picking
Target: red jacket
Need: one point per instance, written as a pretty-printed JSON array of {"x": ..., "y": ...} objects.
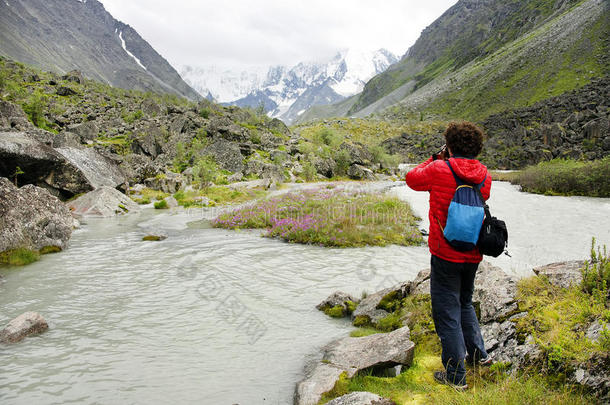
[{"x": 434, "y": 176}]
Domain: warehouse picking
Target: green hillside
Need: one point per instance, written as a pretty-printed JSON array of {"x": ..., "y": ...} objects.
[{"x": 483, "y": 57}]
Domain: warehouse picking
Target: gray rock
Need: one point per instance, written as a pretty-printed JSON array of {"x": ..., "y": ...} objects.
[
  {"x": 594, "y": 331},
  {"x": 227, "y": 155},
  {"x": 494, "y": 293},
  {"x": 381, "y": 350},
  {"x": 41, "y": 164},
  {"x": 171, "y": 201},
  {"x": 103, "y": 202},
  {"x": 87, "y": 131},
  {"x": 74, "y": 76},
  {"x": 235, "y": 177},
  {"x": 369, "y": 306},
  {"x": 148, "y": 142},
  {"x": 421, "y": 284},
  {"x": 264, "y": 170},
  {"x": 65, "y": 91},
  {"x": 26, "y": 324},
  {"x": 322, "y": 379},
  {"x": 359, "y": 172},
  {"x": 31, "y": 217},
  {"x": 12, "y": 117},
  {"x": 66, "y": 139},
  {"x": 358, "y": 153},
  {"x": 352, "y": 355},
  {"x": 98, "y": 170},
  {"x": 594, "y": 375},
  {"x": 336, "y": 298},
  {"x": 169, "y": 182},
  {"x": 562, "y": 274},
  {"x": 325, "y": 167},
  {"x": 360, "y": 398},
  {"x": 245, "y": 185}
]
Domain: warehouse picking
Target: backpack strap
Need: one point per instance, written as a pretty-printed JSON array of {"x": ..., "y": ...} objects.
[{"x": 459, "y": 181}]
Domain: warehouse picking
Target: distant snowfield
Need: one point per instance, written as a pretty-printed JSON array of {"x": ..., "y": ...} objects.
[{"x": 282, "y": 87}]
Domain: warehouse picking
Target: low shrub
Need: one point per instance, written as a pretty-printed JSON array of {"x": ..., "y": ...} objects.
[
  {"x": 567, "y": 177},
  {"x": 161, "y": 205}
]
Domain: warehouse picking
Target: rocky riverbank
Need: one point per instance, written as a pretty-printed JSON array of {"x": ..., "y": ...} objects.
[
  {"x": 573, "y": 125},
  {"x": 570, "y": 348}
]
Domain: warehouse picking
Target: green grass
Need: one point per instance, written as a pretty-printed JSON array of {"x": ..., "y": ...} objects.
[
  {"x": 566, "y": 177},
  {"x": 329, "y": 217},
  {"x": 218, "y": 195},
  {"x": 19, "y": 257},
  {"x": 161, "y": 205}
]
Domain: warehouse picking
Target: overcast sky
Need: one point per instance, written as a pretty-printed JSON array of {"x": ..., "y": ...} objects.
[{"x": 239, "y": 33}]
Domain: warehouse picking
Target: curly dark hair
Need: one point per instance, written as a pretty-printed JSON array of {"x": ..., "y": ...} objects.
[{"x": 464, "y": 139}]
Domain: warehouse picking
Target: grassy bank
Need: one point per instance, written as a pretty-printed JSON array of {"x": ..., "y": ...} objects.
[
  {"x": 556, "y": 320},
  {"x": 565, "y": 177},
  {"x": 23, "y": 256},
  {"x": 330, "y": 216}
]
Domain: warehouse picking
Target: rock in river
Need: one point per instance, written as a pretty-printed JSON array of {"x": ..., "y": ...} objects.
[
  {"x": 103, "y": 202},
  {"x": 26, "y": 324},
  {"x": 31, "y": 217}
]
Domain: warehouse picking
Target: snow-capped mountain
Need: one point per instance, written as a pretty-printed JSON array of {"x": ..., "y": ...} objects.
[{"x": 287, "y": 92}]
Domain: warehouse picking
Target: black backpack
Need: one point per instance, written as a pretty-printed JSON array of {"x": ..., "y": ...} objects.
[{"x": 493, "y": 239}]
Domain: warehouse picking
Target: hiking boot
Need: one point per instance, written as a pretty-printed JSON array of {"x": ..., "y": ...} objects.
[
  {"x": 486, "y": 362},
  {"x": 441, "y": 377}
]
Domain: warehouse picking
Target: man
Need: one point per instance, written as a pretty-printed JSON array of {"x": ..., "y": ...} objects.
[{"x": 452, "y": 271}]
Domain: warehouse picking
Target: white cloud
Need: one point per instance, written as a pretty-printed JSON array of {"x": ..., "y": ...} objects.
[{"x": 268, "y": 32}]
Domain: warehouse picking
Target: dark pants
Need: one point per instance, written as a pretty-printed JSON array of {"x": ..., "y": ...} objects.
[{"x": 451, "y": 288}]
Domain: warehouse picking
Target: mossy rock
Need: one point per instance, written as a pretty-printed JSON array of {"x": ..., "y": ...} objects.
[
  {"x": 391, "y": 301},
  {"x": 154, "y": 238},
  {"x": 50, "y": 249},
  {"x": 338, "y": 311},
  {"x": 19, "y": 257},
  {"x": 361, "y": 320}
]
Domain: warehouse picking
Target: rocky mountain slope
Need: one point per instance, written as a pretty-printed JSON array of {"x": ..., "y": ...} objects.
[
  {"x": 71, "y": 135},
  {"x": 62, "y": 35},
  {"x": 482, "y": 57},
  {"x": 287, "y": 92}
]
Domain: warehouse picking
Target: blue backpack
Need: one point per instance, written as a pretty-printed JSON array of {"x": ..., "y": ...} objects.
[{"x": 465, "y": 215}]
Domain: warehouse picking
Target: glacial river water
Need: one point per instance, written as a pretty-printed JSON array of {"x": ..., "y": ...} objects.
[{"x": 211, "y": 316}]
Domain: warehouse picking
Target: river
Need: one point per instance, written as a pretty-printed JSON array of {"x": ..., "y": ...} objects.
[{"x": 211, "y": 316}]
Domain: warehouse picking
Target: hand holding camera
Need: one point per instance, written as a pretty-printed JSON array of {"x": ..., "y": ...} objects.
[{"x": 442, "y": 154}]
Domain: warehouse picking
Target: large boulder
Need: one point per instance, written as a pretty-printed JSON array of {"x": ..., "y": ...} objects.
[
  {"x": 378, "y": 305},
  {"x": 103, "y": 202},
  {"x": 378, "y": 351},
  {"x": 352, "y": 355},
  {"x": 494, "y": 293},
  {"x": 65, "y": 171},
  {"x": 359, "y": 172},
  {"x": 98, "y": 170},
  {"x": 360, "y": 398},
  {"x": 167, "y": 182},
  {"x": 227, "y": 155},
  {"x": 26, "y": 324},
  {"x": 562, "y": 274},
  {"x": 87, "y": 131},
  {"x": 31, "y": 217},
  {"x": 13, "y": 117},
  {"x": 74, "y": 76}
]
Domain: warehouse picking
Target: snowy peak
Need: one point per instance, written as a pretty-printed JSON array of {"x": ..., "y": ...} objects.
[{"x": 286, "y": 92}]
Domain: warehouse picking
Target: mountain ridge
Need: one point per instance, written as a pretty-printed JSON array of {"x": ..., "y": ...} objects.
[
  {"x": 510, "y": 32},
  {"x": 286, "y": 92}
]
